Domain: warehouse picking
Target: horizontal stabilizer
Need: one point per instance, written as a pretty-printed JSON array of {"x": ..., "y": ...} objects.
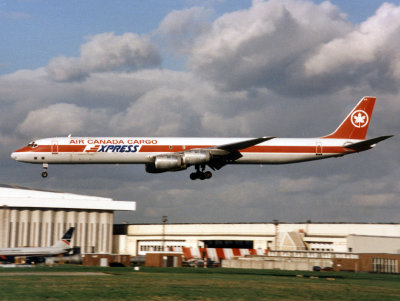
[{"x": 367, "y": 143}]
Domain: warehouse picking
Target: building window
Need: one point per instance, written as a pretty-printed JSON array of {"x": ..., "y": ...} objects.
[{"x": 384, "y": 265}]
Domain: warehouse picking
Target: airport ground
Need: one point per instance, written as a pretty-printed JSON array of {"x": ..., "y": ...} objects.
[{"x": 70, "y": 282}]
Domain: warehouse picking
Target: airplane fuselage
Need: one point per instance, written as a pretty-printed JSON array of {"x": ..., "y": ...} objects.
[
  {"x": 31, "y": 251},
  {"x": 37, "y": 254},
  {"x": 132, "y": 150}
]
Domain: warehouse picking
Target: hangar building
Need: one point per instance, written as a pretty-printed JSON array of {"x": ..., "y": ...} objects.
[
  {"x": 37, "y": 218},
  {"x": 316, "y": 237}
]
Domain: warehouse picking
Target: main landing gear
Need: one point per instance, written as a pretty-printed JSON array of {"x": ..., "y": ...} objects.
[
  {"x": 44, "y": 173},
  {"x": 202, "y": 175}
]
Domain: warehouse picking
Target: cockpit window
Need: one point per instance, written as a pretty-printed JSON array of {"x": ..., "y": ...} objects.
[{"x": 32, "y": 144}]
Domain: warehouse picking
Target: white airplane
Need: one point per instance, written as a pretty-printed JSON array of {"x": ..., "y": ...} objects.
[
  {"x": 37, "y": 254},
  {"x": 174, "y": 154}
]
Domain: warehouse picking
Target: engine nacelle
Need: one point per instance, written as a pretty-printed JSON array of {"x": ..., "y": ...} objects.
[
  {"x": 195, "y": 157},
  {"x": 169, "y": 163}
]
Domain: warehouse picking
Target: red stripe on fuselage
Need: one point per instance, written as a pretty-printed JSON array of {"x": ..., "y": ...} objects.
[
  {"x": 253, "y": 149},
  {"x": 181, "y": 148},
  {"x": 93, "y": 149},
  {"x": 51, "y": 148},
  {"x": 169, "y": 148}
]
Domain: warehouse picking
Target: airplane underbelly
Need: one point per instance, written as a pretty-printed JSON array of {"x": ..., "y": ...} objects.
[
  {"x": 278, "y": 158},
  {"x": 43, "y": 157}
]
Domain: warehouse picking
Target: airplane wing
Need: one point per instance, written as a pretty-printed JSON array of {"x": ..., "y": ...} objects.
[
  {"x": 216, "y": 156},
  {"x": 223, "y": 154},
  {"x": 366, "y": 144},
  {"x": 236, "y": 146}
]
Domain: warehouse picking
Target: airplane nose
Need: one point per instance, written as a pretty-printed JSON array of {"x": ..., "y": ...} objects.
[{"x": 14, "y": 156}]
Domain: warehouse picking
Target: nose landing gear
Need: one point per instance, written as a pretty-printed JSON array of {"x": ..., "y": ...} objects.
[
  {"x": 202, "y": 175},
  {"x": 44, "y": 173}
]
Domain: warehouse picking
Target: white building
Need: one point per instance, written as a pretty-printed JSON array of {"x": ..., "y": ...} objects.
[
  {"x": 322, "y": 237},
  {"x": 373, "y": 244},
  {"x": 36, "y": 218}
]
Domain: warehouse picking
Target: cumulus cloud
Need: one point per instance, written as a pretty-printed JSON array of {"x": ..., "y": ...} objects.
[
  {"x": 181, "y": 28},
  {"x": 370, "y": 50},
  {"x": 266, "y": 45},
  {"x": 106, "y": 52},
  {"x": 58, "y": 119},
  {"x": 174, "y": 105}
]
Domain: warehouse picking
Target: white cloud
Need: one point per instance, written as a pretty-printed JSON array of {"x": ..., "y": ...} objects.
[
  {"x": 266, "y": 45},
  {"x": 106, "y": 52},
  {"x": 369, "y": 51},
  {"x": 59, "y": 119},
  {"x": 181, "y": 28}
]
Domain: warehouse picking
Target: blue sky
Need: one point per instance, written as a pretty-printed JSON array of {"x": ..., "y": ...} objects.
[
  {"x": 35, "y": 31},
  {"x": 290, "y": 68}
]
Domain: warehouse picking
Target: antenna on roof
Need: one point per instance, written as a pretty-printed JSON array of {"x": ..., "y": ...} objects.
[{"x": 69, "y": 136}]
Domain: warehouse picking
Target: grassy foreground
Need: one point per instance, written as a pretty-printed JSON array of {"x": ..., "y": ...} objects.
[{"x": 40, "y": 283}]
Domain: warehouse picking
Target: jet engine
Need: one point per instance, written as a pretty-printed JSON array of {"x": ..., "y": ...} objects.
[
  {"x": 195, "y": 157},
  {"x": 163, "y": 163},
  {"x": 168, "y": 162}
]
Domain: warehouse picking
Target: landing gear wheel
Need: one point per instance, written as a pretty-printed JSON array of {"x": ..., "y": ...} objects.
[
  {"x": 202, "y": 175},
  {"x": 44, "y": 173}
]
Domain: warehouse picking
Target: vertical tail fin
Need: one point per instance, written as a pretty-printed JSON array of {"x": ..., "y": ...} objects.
[
  {"x": 65, "y": 241},
  {"x": 355, "y": 126}
]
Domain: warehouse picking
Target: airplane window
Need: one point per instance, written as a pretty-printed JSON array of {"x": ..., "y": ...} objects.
[{"x": 32, "y": 144}]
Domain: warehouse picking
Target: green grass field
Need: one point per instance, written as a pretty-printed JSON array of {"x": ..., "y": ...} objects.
[{"x": 191, "y": 284}]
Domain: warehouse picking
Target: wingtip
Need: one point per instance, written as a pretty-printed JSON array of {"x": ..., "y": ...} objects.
[{"x": 268, "y": 137}]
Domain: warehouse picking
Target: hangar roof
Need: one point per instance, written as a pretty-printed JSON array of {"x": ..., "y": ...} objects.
[{"x": 16, "y": 196}]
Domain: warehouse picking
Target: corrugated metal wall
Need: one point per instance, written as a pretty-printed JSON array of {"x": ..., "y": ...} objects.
[{"x": 35, "y": 227}]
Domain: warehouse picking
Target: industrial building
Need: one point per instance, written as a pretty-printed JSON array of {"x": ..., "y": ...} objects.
[
  {"x": 308, "y": 261},
  {"x": 37, "y": 218},
  {"x": 287, "y": 246},
  {"x": 315, "y": 237}
]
